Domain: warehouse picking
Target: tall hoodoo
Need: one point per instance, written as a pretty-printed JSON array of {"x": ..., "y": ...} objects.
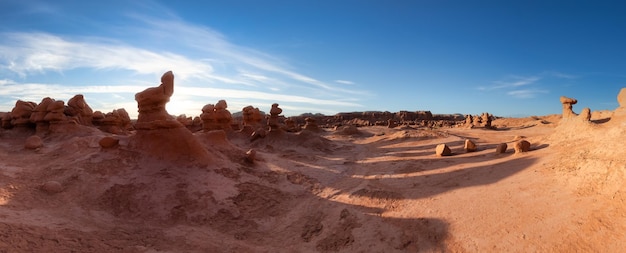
[{"x": 160, "y": 134}]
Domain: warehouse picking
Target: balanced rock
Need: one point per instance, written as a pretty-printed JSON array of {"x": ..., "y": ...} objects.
[
  {"x": 443, "y": 150},
  {"x": 501, "y": 148},
  {"x": 33, "y": 142},
  {"x": 470, "y": 146},
  {"x": 521, "y": 146},
  {"x": 272, "y": 122},
  {"x": 567, "y": 106}
]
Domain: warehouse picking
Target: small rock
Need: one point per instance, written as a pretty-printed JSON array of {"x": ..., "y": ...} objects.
[
  {"x": 521, "y": 146},
  {"x": 470, "y": 146},
  {"x": 108, "y": 142},
  {"x": 33, "y": 142},
  {"x": 52, "y": 187},
  {"x": 250, "y": 155},
  {"x": 501, "y": 148},
  {"x": 443, "y": 150}
]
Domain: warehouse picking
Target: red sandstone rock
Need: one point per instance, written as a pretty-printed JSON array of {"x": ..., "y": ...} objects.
[
  {"x": 33, "y": 142},
  {"x": 108, "y": 142}
]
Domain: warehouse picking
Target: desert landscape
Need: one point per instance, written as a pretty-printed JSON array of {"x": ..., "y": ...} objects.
[{"x": 75, "y": 180}]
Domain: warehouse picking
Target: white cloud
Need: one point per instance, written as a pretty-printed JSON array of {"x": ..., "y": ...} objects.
[
  {"x": 344, "y": 82},
  {"x": 526, "y": 93},
  {"x": 205, "y": 62}
]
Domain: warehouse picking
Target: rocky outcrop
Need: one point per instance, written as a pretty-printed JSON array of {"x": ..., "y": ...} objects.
[
  {"x": 158, "y": 133},
  {"x": 216, "y": 117},
  {"x": 79, "y": 110},
  {"x": 311, "y": 125},
  {"x": 20, "y": 114}
]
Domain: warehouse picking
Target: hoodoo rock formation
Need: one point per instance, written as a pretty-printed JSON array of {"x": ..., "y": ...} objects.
[
  {"x": 272, "y": 121},
  {"x": 158, "y": 133},
  {"x": 567, "y": 107}
]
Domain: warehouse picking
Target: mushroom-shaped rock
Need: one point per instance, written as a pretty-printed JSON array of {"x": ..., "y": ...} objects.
[
  {"x": 443, "y": 150},
  {"x": 33, "y": 142},
  {"x": 567, "y": 106},
  {"x": 108, "y": 142},
  {"x": 470, "y": 146},
  {"x": 501, "y": 148},
  {"x": 521, "y": 146}
]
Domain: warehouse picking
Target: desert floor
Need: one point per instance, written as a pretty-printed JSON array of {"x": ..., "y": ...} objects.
[{"x": 376, "y": 190}]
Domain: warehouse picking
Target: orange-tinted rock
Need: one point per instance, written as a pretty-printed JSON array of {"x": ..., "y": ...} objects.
[
  {"x": 521, "y": 146},
  {"x": 272, "y": 122},
  {"x": 585, "y": 114},
  {"x": 501, "y": 148},
  {"x": 567, "y": 106},
  {"x": 470, "y": 146},
  {"x": 621, "y": 97},
  {"x": 443, "y": 150}
]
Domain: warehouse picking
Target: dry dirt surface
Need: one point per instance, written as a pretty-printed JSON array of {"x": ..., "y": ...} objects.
[{"x": 374, "y": 189}]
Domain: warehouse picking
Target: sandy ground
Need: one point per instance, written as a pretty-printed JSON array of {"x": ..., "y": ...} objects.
[{"x": 376, "y": 190}]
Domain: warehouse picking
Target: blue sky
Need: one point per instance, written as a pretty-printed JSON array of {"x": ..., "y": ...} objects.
[{"x": 509, "y": 58}]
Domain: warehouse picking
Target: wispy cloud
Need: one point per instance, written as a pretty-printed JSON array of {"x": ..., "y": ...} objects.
[
  {"x": 511, "y": 82},
  {"x": 344, "y": 82},
  {"x": 526, "y": 93},
  {"x": 205, "y": 62}
]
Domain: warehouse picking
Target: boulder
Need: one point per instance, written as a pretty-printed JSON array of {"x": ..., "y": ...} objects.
[
  {"x": 52, "y": 187},
  {"x": 33, "y": 142},
  {"x": 501, "y": 148},
  {"x": 521, "y": 146},
  {"x": 443, "y": 150},
  {"x": 470, "y": 146},
  {"x": 108, "y": 142}
]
